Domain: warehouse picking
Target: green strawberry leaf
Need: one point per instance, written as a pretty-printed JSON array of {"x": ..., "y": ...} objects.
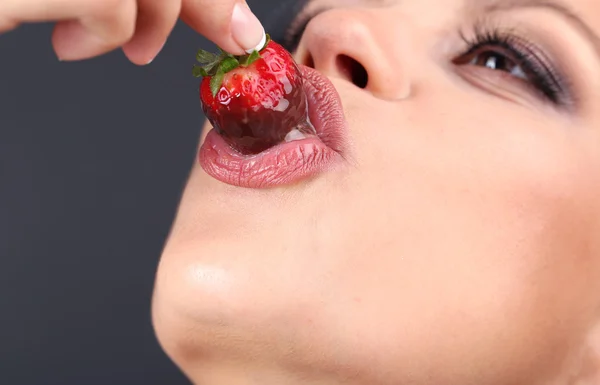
[
  {"x": 198, "y": 71},
  {"x": 229, "y": 64},
  {"x": 223, "y": 54},
  {"x": 249, "y": 59},
  {"x": 216, "y": 82},
  {"x": 206, "y": 57},
  {"x": 216, "y": 66},
  {"x": 212, "y": 68}
]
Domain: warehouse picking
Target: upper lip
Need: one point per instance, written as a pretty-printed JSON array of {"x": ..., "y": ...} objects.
[
  {"x": 289, "y": 162},
  {"x": 325, "y": 110}
]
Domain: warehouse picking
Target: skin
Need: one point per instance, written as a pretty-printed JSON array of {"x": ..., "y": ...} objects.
[
  {"x": 88, "y": 28},
  {"x": 459, "y": 244}
]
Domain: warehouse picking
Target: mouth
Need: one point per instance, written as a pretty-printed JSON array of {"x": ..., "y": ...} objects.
[{"x": 299, "y": 158}]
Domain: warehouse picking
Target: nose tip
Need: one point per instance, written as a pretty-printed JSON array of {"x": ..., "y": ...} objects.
[{"x": 348, "y": 44}]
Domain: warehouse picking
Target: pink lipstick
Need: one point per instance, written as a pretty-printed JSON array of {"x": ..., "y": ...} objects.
[{"x": 301, "y": 156}]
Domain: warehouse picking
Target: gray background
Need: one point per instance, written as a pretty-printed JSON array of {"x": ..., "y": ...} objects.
[{"x": 93, "y": 158}]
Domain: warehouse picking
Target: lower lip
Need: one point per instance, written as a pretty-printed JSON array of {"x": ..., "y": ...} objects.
[{"x": 290, "y": 162}]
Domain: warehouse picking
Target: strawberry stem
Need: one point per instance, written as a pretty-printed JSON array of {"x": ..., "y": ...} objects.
[{"x": 216, "y": 66}]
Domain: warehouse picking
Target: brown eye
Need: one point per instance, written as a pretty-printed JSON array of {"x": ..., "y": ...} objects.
[
  {"x": 495, "y": 60},
  {"x": 517, "y": 58}
]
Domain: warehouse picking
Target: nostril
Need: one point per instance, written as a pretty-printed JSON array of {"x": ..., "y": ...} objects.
[
  {"x": 352, "y": 70},
  {"x": 306, "y": 58},
  {"x": 309, "y": 61}
]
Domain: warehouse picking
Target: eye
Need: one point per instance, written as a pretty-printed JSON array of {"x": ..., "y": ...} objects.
[
  {"x": 521, "y": 60},
  {"x": 495, "y": 60}
]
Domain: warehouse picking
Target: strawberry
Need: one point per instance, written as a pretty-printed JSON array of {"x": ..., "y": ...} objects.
[{"x": 254, "y": 101}]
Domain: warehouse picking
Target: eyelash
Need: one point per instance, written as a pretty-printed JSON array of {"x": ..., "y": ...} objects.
[
  {"x": 535, "y": 65},
  {"x": 541, "y": 76}
]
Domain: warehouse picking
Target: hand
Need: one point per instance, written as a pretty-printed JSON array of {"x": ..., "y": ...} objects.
[{"x": 88, "y": 28}]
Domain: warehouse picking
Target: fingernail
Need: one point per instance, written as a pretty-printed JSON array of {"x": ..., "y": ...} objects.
[
  {"x": 156, "y": 54},
  {"x": 246, "y": 29}
]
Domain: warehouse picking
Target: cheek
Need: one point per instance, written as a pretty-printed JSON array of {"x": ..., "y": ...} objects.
[
  {"x": 489, "y": 225},
  {"x": 456, "y": 250}
]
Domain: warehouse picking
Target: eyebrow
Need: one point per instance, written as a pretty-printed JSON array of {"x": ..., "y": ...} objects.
[{"x": 554, "y": 5}]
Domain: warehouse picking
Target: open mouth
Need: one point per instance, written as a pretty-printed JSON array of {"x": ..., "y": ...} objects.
[{"x": 300, "y": 157}]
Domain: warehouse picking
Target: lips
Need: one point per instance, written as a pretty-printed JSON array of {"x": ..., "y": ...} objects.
[{"x": 290, "y": 162}]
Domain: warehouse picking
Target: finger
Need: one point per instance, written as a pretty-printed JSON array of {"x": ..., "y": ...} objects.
[
  {"x": 7, "y": 25},
  {"x": 20, "y": 11},
  {"x": 228, "y": 23},
  {"x": 15, "y": 12},
  {"x": 96, "y": 33},
  {"x": 155, "y": 20}
]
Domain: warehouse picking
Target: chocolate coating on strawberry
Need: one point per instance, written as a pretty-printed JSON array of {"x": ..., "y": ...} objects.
[{"x": 256, "y": 100}]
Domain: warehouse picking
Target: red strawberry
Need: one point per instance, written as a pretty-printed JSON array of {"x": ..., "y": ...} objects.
[{"x": 255, "y": 100}]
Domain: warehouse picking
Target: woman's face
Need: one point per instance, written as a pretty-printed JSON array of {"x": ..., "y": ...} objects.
[{"x": 458, "y": 242}]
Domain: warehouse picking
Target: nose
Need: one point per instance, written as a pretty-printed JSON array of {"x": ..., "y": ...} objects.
[{"x": 356, "y": 45}]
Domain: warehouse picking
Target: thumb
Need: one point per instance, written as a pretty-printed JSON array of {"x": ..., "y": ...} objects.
[{"x": 228, "y": 23}]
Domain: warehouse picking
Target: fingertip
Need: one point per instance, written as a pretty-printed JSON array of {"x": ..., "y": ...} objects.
[
  {"x": 71, "y": 41},
  {"x": 213, "y": 20},
  {"x": 260, "y": 45},
  {"x": 96, "y": 34},
  {"x": 156, "y": 20},
  {"x": 142, "y": 54},
  {"x": 246, "y": 29}
]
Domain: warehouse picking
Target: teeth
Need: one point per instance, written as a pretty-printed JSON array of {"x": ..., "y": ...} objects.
[{"x": 294, "y": 135}]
